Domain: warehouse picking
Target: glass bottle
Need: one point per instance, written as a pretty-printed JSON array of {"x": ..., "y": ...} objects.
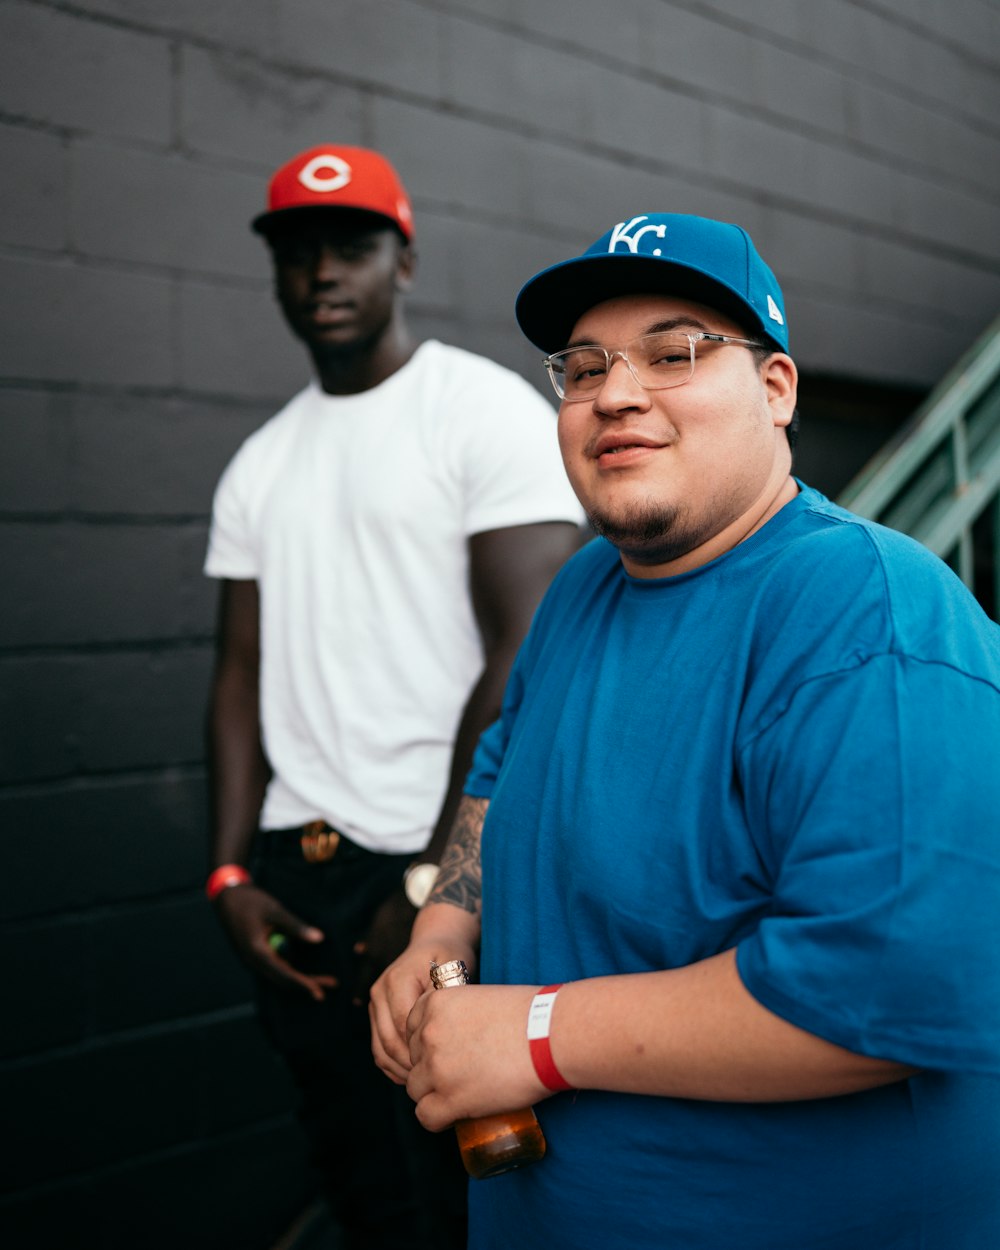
[{"x": 493, "y": 1143}]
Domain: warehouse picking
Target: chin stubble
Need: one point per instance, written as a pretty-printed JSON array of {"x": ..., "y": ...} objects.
[{"x": 647, "y": 532}]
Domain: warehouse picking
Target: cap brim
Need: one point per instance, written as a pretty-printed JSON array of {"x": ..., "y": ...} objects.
[
  {"x": 550, "y": 304},
  {"x": 265, "y": 223}
]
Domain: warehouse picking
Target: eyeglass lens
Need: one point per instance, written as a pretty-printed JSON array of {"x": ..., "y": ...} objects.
[{"x": 657, "y": 361}]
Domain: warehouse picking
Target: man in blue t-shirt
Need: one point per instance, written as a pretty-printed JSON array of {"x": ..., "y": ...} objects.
[{"x": 729, "y": 862}]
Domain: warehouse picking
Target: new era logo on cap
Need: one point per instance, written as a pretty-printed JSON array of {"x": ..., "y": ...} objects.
[{"x": 335, "y": 176}]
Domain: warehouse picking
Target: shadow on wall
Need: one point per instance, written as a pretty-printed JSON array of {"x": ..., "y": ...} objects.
[{"x": 843, "y": 424}]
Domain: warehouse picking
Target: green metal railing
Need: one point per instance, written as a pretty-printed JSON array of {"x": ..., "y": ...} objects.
[{"x": 939, "y": 478}]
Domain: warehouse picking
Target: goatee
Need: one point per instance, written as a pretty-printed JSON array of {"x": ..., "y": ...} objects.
[{"x": 645, "y": 532}]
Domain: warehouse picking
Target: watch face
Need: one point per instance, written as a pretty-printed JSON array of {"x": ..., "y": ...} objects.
[{"x": 419, "y": 881}]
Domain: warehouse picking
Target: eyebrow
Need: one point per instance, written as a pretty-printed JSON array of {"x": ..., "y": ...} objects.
[{"x": 657, "y": 327}]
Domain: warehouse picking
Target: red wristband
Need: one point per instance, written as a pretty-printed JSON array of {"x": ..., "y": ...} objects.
[
  {"x": 539, "y": 1018},
  {"x": 223, "y": 877}
]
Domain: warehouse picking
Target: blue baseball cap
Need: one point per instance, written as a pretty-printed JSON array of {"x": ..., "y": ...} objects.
[{"x": 709, "y": 262}]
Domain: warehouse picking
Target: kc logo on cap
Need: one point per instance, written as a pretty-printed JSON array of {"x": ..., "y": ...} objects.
[
  {"x": 620, "y": 234},
  {"x": 336, "y": 176}
]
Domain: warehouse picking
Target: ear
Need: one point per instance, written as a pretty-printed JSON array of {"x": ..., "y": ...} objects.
[
  {"x": 406, "y": 266},
  {"x": 781, "y": 379}
]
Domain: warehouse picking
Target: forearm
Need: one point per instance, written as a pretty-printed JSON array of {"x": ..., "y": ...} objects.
[
  {"x": 238, "y": 768},
  {"x": 696, "y": 1032}
]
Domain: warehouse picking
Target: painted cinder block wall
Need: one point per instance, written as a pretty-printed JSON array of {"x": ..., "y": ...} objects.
[{"x": 858, "y": 140}]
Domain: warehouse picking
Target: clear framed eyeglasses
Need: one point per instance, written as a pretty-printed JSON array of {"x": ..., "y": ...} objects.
[{"x": 656, "y": 361}]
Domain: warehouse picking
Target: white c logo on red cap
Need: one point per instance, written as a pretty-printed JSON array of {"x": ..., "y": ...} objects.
[{"x": 336, "y": 173}]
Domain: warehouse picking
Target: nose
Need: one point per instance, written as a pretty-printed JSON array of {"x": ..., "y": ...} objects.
[
  {"x": 620, "y": 392},
  {"x": 326, "y": 265}
]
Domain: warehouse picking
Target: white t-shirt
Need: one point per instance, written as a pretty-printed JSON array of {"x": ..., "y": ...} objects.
[{"x": 353, "y": 514}]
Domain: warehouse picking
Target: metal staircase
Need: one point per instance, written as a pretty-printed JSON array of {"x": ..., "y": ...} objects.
[{"x": 939, "y": 478}]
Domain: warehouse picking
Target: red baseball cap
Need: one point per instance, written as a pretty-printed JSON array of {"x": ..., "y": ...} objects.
[{"x": 334, "y": 176}]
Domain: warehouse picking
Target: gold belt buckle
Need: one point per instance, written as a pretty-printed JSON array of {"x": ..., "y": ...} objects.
[{"x": 319, "y": 843}]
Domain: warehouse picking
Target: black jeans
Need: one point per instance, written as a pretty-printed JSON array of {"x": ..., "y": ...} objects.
[{"x": 390, "y": 1184}]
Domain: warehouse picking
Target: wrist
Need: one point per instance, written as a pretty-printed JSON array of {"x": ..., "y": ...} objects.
[
  {"x": 539, "y": 1026},
  {"x": 224, "y": 878}
]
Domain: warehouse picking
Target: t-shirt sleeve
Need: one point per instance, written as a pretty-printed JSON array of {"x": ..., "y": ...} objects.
[
  {"x": 879, "y": 792},
  {"x": 231, "y": 552},
  {"x": 513, "y": 468}
]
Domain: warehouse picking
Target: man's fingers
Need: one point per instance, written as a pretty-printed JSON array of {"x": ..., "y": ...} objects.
[
  {"x": 276, "y": 968},
  {"x": 388, "y": 1047},
  {"x": 287, "y": 922},
  {"x": 390, "y": 1064}
]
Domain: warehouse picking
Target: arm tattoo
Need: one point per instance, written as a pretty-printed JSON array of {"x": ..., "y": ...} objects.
[{"x": 460, "y": 881}]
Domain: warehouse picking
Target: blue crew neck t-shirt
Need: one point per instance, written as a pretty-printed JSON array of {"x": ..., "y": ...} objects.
[{"x": 793, "y": 751}]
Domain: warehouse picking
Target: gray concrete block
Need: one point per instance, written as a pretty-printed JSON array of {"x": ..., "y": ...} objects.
[
  {"x": 36, "y": 466},
  {"x": 142, "y": 710},
  {"x": 62, "y": 322},
  {"x": 657, "y": 126},
  {"x": 747, "y": 153},
  {"x": 39, "y": 711},
  {"x": 579, "y": 196},
  {"x": 149, "y": 456},
  {"x": 114, "y": 1102},
  {"x": 809, "y": 252},
  {"x": 152, "y": 209},
  {"x": 778, "y": 17},
  {"x": 66, "y": 70},
  {"x": 438, "y": 261},
  {"x": 693, "y": 48},
  {"x": 494, "y": 263},
  {"x": 799, "y": 90},
  {"x": 234, "y": 341},
  {"x": 237, "y": 1189},
  {"x": 942, "y": 214},
  {"x": 920, "y": 135},
  {"x": 150, "y": 830},
  {"x": 532, "y": 83},
  {"x": 448, "y": 160},
  {"x": 584, "y": 25},
  {"x": 967, "y": 24},
  {"x": 934, "y": 287},
  {"x": 962, "y": 83},
  {"x": 866, "y": 342},
  {"x": 62, "y": 715},
  {"x": 238, "y": 109},
  {"x": 46, "y": 986},
  {"x": 859, "y": 39},
  {"x": 74, "y": 584},
  {"x": 138, "y": 955},
  {"x": 851, "y": 185},
  {"x": 237, "y": 23},
  {"x": 393, "y": 44},
  {"x": 33, "y": 209}
]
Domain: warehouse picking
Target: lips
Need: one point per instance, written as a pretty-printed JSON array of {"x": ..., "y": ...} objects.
[
  {"x": 329, "y": 312},
  {"x": 622, "y": 446}
]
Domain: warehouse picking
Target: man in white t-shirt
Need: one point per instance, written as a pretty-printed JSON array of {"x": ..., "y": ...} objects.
[{"x": 382, "y": 543}]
